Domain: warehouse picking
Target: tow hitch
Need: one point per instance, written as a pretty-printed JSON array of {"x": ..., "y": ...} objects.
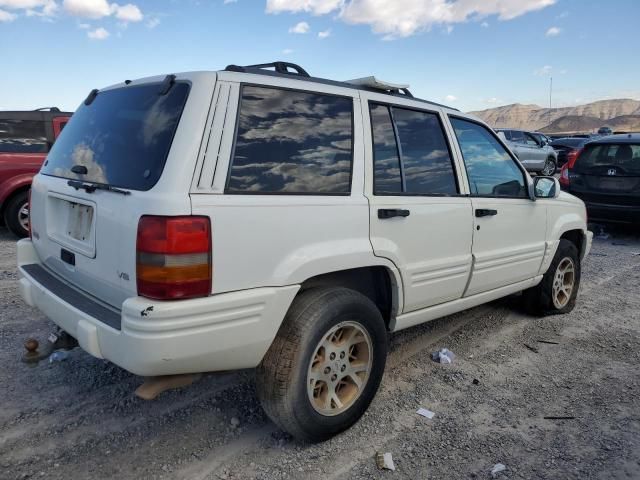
[{"x": 58, "y": 340}]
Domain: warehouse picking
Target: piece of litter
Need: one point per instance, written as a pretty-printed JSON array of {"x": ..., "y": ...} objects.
[
  {"x": 476, "y": 381},
  {"x": 549, "y": 342},
  {"x": 497, "y": 468},
  {"x": 425, "y": 413},
  {"x": 385, "y": 461},
  {"x": 443, "y": 355},
  {"x": 533, "y": 349}
]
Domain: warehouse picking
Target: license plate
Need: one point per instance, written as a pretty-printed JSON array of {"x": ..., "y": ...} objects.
[{"x": 80, "y": 220}]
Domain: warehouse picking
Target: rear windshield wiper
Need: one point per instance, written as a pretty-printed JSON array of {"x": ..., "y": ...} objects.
[{"x": 90, "y": 187}]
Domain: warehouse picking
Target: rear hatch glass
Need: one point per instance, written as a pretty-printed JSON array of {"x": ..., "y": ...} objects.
[
  {"x": 122, "y": 138},
  {"x": 609, "y": 168}
]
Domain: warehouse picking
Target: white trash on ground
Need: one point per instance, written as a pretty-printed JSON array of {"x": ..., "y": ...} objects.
[
  {"x": 425, "y": 413},
  {"x": 497, "y": 468},
  {"x": 443, "y": 355},
  {"x": 385, "y": 461}
]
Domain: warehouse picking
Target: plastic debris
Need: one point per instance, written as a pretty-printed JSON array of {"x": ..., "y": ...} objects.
[
  {"x": 533, "y": 349},
  {"x": 497, "y": 468},
  {"x": 476, "y": 381},
  {"x": 425, "y": 413},
  {"x": 385, "y": 461},
  {"x": 58, "y": 356},
  {"x": 443, "y": 356}
]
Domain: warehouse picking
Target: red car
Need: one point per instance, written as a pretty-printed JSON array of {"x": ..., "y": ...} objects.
[{"x": 25, "y": 140}]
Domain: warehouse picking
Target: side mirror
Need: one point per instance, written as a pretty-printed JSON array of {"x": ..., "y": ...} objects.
[{"x": 546, "y": 187}]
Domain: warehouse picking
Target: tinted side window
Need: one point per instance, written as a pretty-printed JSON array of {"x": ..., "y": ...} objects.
[
  {"x": 517, "y": 136},
  {"x": 529, "y": 140},
  {"x": 292, "y": 142},
  {"x": 426, "y": 160},
  {"x": 23, "y": 136},
  {"x": 421, "y": 163},
  {"x": 490, "y": 169},
  {"x": 386, "y": 161}
]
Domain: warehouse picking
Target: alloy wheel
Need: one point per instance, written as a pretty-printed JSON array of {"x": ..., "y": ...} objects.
[{"x": 563, "y": 283}]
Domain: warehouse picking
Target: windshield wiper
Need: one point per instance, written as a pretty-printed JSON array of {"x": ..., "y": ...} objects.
[{"x": 90, "y": 187}]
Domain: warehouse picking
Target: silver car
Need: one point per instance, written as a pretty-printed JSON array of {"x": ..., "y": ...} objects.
[{"x": 533, "y": 152}]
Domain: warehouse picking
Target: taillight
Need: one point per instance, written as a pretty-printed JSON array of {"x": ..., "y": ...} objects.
[
  {"x": 572, "y": 157},
  {"x": 173, "y": 257}
]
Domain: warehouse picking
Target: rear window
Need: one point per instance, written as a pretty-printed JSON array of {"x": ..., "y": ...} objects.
[
  {"x": 123, "y": 137},
  {"x": 292, "y": 142},
  {"x": 23, "y": 136},
  {"x": 602, "y": 159}
]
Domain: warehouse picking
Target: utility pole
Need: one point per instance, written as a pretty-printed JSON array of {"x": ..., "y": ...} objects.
[{"x": 550, "y": 91}]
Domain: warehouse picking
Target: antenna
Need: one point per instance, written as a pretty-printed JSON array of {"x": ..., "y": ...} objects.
[{"x": 550, "y": 92}]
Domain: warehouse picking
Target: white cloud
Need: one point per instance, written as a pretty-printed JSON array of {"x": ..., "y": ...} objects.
[
  {"x": 449, "y": 29},
  {"x": 553, "y": 32},
  {"x": 98, "y": 34},
  {"x": 127, "y": 13},
  {"x": 402, "y": 18},
  {"x": 301, "y": 27},
  {"x": 153, "y": 23},
  {"x": 543, "y": 71},
  {"x": 32, "y": 8},
  {"x": 317, "y": 7},
  {"x": 451, "y": 98},
  {"x": 287, "y": 51},
  {"x": 7, "y": 16},
  {"x": 564, "y": 14},
  {"x": 493, "y": 100},
  {"x": 324, "y": 34},
  {"x": 484, "y": 25},
  {"x": 229, "y": 1},
  {"x": 84, "y": 26},
  {"x": 88, "y": 8}
]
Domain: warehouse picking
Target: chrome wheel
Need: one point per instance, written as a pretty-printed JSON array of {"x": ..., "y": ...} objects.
[
  {"x": 549, "y": 168},
  {"x": 339, "y": 368},
  {"x": 563, "y": 283},
  {"x": 23, "y": 216}
]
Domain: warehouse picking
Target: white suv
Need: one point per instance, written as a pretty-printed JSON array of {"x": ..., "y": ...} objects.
[{"x": 263, "y": 218}]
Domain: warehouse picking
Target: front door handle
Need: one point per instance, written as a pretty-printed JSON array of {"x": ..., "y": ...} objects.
[
  {"x": 392, "y": 212},
  {"x": 485, "y": 212}
]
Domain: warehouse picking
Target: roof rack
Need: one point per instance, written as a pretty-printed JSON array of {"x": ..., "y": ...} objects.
[
  {"x": 377, "y": 84},
  {"x": 280, "y": 67},
  {"x": 50, "y": 109}
]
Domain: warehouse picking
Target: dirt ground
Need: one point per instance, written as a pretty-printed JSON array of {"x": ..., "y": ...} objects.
[{"x": 80, "y": 419}]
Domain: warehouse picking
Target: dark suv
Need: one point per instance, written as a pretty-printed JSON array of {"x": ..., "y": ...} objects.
[
  {"x": 25, "y": 140},
  {"x": 606, "y": 176}
]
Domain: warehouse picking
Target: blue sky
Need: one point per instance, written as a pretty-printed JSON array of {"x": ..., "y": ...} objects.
[{"x": 471, "y": 54}]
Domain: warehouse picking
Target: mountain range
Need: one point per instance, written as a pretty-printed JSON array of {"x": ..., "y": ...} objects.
[{"x": 620, "y": 114}]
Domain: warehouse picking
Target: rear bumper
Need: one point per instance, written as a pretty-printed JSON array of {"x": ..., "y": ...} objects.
[
  {"x": 222, "y": 332},
  {"x": 613, "y": 213}
]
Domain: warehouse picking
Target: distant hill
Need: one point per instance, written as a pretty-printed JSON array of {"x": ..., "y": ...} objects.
[{"x": 620, "y": 114}]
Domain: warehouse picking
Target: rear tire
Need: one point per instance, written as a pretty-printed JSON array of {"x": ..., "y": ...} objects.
[
  {"x": 16, "y": 214},
  {"x": 549, "y": 167},
  {"x": 325, "y": 364},
  {"x": 557, "y": 291}
]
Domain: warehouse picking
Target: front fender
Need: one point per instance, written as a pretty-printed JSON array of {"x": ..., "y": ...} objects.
[
  {"x": 563, "y": 217},
  {"x": 9, "y": 186}
]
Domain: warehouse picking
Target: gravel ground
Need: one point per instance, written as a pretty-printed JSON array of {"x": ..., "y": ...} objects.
[{"x": 80, "y": 419}]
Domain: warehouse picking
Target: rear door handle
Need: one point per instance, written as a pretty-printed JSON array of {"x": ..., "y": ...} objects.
[
  {"x": 485, "y": 212},
  {"x": 392, "y": 212}
]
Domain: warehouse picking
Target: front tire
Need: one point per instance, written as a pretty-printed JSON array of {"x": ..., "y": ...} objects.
[
  {"x": 557, "y": 291},
  {"x": 549, "y": 167},
  {"x": 325, "y": 364},
  {"x": 16, "y": 215}
]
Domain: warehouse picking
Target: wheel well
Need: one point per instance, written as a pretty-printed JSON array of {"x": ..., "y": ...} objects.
[
  {"x": 375, "y": 283},
  {"x": 4, "y": 204},
  {"x": 576, "y": 237}
]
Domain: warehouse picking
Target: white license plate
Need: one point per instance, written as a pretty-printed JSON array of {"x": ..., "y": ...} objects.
[{"x": 80, "y": 220}]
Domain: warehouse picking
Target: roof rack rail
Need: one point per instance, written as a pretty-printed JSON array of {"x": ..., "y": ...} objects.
[
  {"x": 377, "y": 84},
  {"x": 50, "y": 109},
  {"x": 280, "y": 67}
]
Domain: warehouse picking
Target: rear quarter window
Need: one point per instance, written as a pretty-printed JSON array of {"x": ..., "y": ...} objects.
[
  {"x": 292, "y": 142},
  {"x": 123, "y": 137}
]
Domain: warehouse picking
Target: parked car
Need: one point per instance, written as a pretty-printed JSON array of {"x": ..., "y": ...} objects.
[
  {"x": 535, "y": 155},
  {"x": 252, "y": 218},
  {"x": 606, "y": 176},
  {"x": 604, "y": 131},
  {"x": 567, "y": 148},
  {"x": 25, "y": 139},
  {"x": 542, "y": 138}
]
